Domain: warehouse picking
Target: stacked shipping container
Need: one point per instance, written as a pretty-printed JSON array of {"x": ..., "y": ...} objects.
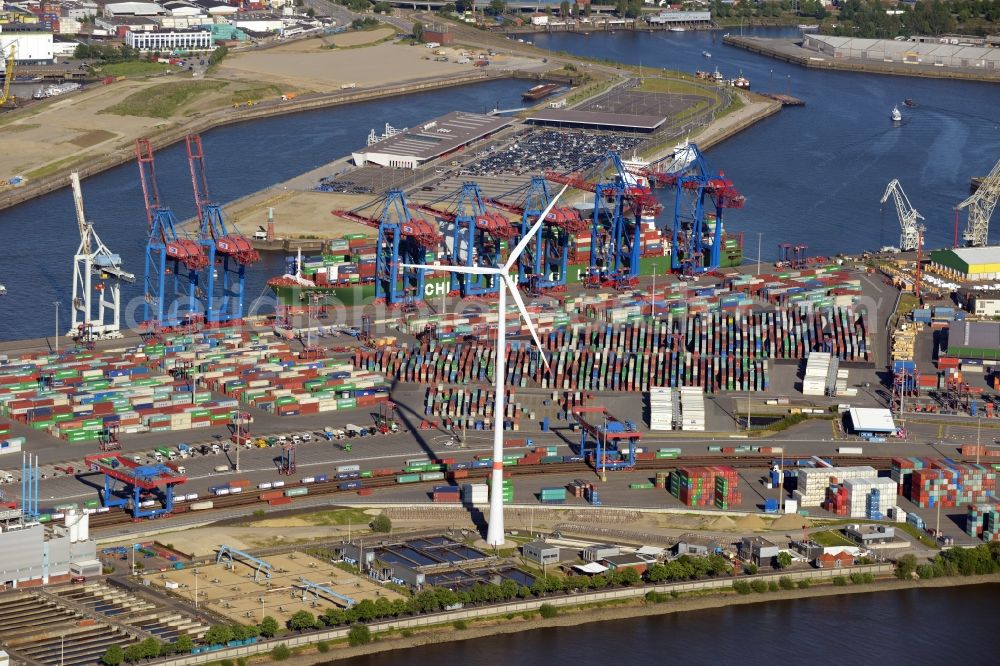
[{"x": 706, "y": 486}]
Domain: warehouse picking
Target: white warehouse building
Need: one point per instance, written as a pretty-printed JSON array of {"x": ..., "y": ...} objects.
[
  {"x": 192, "y": 40},
  {"x": 34, "y": 45}
]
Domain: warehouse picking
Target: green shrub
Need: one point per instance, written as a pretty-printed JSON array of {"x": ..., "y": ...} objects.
[
  {"x": 281, "y": 652},
  {"x": 742, "y": 587},
  {"x": 857, "y": 578},
  {"x": 226, "y": 662},
  {"x": 359, "y": 634},
  {"x": 548, "y": 611},
  {"x": 772, "y": 586},
  {"x": 406, "y": 633},
  {"x": 657, "y": 597},
  {"x": 868, "y": 578},
  {"x": 323, "y": 646},
  {"x": 758, "y": 586},
  {"x": 840, "y": 581},
  {"x": 242, "y": 661},
  {"x": 786, "y": 583},
  {"x": 527, "y": 615},
  {"x": 804, "y": 584},
  {"x": 460, "y": 624},
  {"x": 673, "y": 593}
]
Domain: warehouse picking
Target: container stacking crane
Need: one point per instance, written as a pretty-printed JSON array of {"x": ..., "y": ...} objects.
[
  {"x": 908, "y": 215},
  {"x": 171, "y": 259},
  {"x": 476, "y": 236},
  {"x": 402, "y": 238},
  {"x": 96, "y": 311},
  {"x": 229, "y": 252},
  {"x": 981, "y": 205},
  {"x": 607, "y": 442},
  {"x": 545, "y": 261}
]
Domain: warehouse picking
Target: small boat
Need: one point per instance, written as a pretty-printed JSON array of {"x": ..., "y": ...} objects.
[
  {"x": 677, "y": 29},
  {"x": 3, "y": 290},
  {"x": 39, "y": 93},
  {"x": 706, "y": 54},
  {"x": 896, "y": 115},
  {"x": 909, "y": 103},
  {"x": 717, "y": 76}
]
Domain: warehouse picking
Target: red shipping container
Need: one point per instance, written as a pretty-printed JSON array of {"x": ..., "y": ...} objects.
[{"x": 280, "y": 501}]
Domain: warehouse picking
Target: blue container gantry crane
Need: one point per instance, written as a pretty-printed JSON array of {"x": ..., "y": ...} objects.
[
  {"x": 172, "y": 260},
  {"x": 606, "y": 441},
  {"x": 698, "y": 235},
  {"x": 137, "y": 481},
  {"x": 402, "y": 239},
  {"x": 477, "y": 235},
  {"x": 545, "y": 262},
  {"x": 227, "y": 249},
  {"x": 621, "y": 198}
]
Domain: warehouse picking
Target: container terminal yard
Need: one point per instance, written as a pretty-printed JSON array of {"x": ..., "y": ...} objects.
[{"x": 519, "y": 357}]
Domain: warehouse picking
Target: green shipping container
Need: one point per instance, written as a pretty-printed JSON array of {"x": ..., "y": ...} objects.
[
  {"x": 296, "y": 492},
  {"x": 408, "y": 478}
]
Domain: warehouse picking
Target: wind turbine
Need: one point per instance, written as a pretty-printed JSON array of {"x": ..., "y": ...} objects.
[{"x": 495, "y": 528}]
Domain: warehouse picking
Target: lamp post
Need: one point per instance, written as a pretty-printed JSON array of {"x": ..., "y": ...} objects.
[
  {"x": 760, "y": 239},
  {"x": 56, "y": 303}
]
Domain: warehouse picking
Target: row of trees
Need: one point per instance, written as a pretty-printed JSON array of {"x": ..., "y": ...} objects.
[
  {"x": 106, "y": 53},
  {"x": 150, "y": 648},
  {"x": 979, "y": 561}
]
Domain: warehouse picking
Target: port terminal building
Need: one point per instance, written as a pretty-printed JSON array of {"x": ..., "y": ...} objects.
[{"x": 439, "y": 137}]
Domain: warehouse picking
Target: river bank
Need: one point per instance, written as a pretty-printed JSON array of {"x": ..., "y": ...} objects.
[
  {"x": 639, "y": 608},
  {"x": 788, "y": 50},
  {"x": 160, "y": 139}
]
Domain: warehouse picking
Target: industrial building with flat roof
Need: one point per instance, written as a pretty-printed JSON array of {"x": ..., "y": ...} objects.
[
  {"x": 968, "y": 263},
  {"x": 974, "y": 339},
  {"x": 441, "y": 136},
  {"x": 597, "y": 120},
  {"x": 913, "y": 53},
  {"x": 868, "y": 421}
]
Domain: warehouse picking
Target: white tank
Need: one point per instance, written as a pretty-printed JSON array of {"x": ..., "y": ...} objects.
[
  {"x": 72, "y": 522},
  {"x": 84, "y": 528}
]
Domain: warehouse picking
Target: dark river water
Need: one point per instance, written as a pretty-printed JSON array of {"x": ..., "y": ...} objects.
[
  {"x": 811, "y": 175},
  {"x": 931, "y": 626}
]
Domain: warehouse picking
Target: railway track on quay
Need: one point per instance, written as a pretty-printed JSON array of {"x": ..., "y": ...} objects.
[{"x": 332, "y": 488}]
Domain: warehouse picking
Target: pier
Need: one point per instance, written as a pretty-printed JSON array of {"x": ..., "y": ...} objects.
[{"x": 790, "y": 50}]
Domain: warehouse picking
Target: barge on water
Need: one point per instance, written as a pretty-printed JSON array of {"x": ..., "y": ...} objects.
[{"x": 539, "y": 91}]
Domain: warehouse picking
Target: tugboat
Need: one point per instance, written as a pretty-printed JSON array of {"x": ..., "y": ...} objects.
[{"x": 896, "y": 115}]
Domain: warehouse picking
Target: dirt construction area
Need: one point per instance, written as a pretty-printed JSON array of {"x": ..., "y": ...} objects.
[
  {"x": 230, "y": 589},
  {"x": 70, "y": 127},
  {"x": 311, "y": 65}
]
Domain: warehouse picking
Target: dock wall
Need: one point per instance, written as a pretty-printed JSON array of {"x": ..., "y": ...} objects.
[{"x": 790, "y": 52}]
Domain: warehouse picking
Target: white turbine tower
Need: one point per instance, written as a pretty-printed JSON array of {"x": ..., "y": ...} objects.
[{"x": 495, "y": 529}]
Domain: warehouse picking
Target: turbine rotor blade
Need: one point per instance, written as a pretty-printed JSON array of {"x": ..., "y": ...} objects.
[
  {"x": 523, "y": 243},
  {"x": 512, "y": 288},
  {"x": 474, "y": 270}
]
